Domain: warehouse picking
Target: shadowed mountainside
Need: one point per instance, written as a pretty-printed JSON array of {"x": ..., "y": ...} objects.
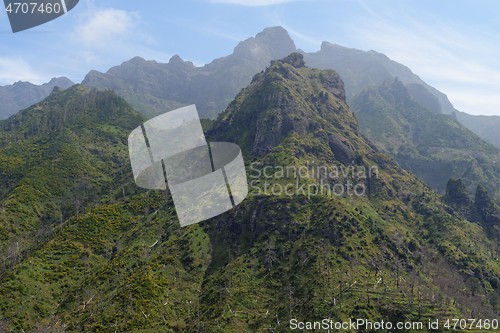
[{"x": 21, "y": 95}]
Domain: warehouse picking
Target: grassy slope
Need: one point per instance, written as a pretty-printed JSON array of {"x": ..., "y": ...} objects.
[
  {"x": 124, "y": 264},
  {"x": 433, "y": 146}
]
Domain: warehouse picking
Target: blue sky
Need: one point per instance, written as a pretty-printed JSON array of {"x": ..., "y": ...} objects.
[{"x": 452, "y": 45}]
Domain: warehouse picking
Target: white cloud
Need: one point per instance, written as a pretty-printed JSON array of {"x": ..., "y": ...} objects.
[
  {"x": 15, "y": 69},
  {"x": 101, "y": 27},
  {"x": 105, "y": 37},
  {"x": 254, "y": 3}
]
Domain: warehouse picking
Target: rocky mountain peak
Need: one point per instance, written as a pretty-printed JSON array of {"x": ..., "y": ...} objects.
[
  {"x": 64, "y": 82},
  {"x": 327, "y": 45},
  {"x": 274, "y": 42},
  {"x": 136, "y": 60},
  {"x": 289, "y": 99},
  {"x": 295, "y": 59},
  {"x": 274, "y": 33},
  {"x": 176, "y": 60}
]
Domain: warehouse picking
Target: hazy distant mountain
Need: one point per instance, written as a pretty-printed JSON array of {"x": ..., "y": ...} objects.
[
  {"x": 361, "y": 69},
  {"x": 411, "y": 120},
  {"x": 153, "y": 87},
  {"x": 21, "y": 95},
  {"x": 487, "y": 127},
  {"x": 433, "y": 146}
]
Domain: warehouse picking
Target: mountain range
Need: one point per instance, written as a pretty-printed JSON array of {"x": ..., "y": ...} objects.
[
  {"x": 153, "y": 87},
  {"x": 457, "y": 152},
  {"x": 360, "y": 70},
  {"x": 148, "y": 85},
  {"x": 369, "y": 198},
  {"x": 85, "y": 250},
  {"x": 21, "y": 95}
]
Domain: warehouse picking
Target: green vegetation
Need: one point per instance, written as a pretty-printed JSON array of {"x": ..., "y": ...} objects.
[
  {"x": 84, "y": 250},
  {"x": 433, "y": 146}
]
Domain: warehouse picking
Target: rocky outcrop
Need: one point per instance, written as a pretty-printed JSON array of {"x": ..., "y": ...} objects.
[{"x": 291, "y": 100}]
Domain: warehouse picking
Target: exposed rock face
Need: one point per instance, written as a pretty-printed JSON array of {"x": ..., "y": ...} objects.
[
  {"x": 291, "y": 100},
  {"x": 342, "y": 152},
  {"x": 295, "y": 59},
  {"x": 334, "y": 84},
  {"x": 271, "y": 130}
]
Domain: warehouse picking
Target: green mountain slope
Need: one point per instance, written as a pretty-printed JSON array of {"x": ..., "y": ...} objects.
[
  {"x": 361, "y": 70},
  {"x": 298, "y": 117},
  {"x": 124, "y": 264},
  {"x": 433, "y": 146},
  {"x": 58, "y": 158}
]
